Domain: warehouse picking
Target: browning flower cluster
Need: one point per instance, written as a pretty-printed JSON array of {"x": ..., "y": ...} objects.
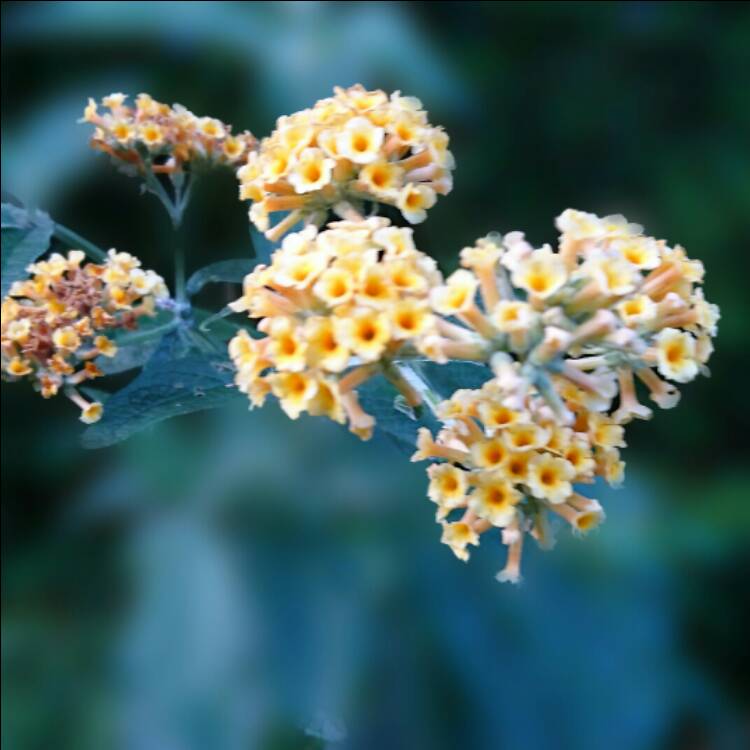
[
  {"x": 54, "y": 323},
  {"x": 355, "y": 146},
  {"x": 151, "y": 131}
]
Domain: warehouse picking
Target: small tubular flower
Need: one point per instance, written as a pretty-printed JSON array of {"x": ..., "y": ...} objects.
[{"x": 55, "y": 322}]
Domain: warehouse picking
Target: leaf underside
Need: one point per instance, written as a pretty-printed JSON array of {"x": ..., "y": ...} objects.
[{"x": 180, "y": 377}]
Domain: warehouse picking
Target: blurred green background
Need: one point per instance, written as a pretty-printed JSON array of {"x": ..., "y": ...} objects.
[{"x": 236, "y": 580}]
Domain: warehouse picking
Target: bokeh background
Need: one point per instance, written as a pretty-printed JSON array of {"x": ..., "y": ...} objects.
[{"x": 236, "y": 580}]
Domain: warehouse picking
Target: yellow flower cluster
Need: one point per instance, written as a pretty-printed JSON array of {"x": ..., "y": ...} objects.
[
  {"x": 507, "y": 463},
  {"x": 54, "y": 322},
  {"x": 355, "y": 146},
  {"x": 151, "y": 129},
  {"x": 567, "y": 333},
  {"x": 609, "y": 304},
  {"x": 349, "y": 298}
]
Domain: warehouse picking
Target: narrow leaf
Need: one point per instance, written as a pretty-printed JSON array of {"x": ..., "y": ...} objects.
[{"x": 222, "y": 271}]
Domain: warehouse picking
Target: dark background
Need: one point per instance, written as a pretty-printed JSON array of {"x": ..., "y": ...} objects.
[{"x": 236, "y": 580}]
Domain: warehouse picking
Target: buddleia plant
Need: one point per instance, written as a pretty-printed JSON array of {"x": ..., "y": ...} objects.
[{"x": 513, "y": 379}]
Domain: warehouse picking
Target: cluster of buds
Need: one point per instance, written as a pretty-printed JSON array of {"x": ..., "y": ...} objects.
[
  {"x": 355, "y": 146},
  {"x": 54, "y": 323},
  {"x": 567, "y": 334},
  {"x": 335, "y": 307},
  {"x": 151, "y": 132}
]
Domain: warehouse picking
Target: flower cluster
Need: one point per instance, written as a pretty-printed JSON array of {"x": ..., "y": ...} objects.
[
  {"x": 153, "y": 131},
  {"x": 355, "y": 146},
  {"x": 611, "y": 303},
  {"x": 54, "y": 323},
  {"x": 567, "y": 332},
  {"x": 507, "y": 463},
  {"x": 350, "y": 298}
]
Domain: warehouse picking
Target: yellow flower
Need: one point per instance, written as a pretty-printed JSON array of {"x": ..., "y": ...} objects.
[
  {"x": 496, "y": 416},
  {"x": 294, "y": 137},
  {"x": 294, "y": 390},
  {"x": 414, "y": 200},
  {"x": 360, "y": 141},
  {"x": 495, "y": 500},
  {"x": 327, "y": 401},
  {"x": 365, "y": 332},
  {"x": 287, "y": 347},
  {"x": 374, "y": 287},
  {"x": 457, "y": 295},
  {"x": 612, "y": 274},
  {"x": 92, "y": 413},
  {"x": 642, "y": 252},
  {"x": 509, "y": 316},
  {"x": 324, "y": 350},
  {"x": 66, "y": 339},
  {"x": 525, "y": 436},
  {"x": 18, "y": 330},
  {"x": 541, "y": 274},
  {"x": 90, "y": 112},
  {"x": 675, "y": 351},
  {"x": 610, "y": 466},
  {"x": 549, "y": 478},
  {"x": 578, "y": 454},
  {"x": 114, "y": 101},
  {"x": 448, "y": 486},
  {"x": 151, "y": 134},
  {"x": 604, "y": 432},
  {"x": 311, "y": 171},
  {"x": 458, "y": 536},
  {"x": 123, "y": 132},
  {"x": 381, "y": 177},
  {"x": 637, "y": 311},
  {"x": 18, "y": 367},
  {"x": 489, "y": 454},
  {"x": 517, "y": 466},
  {"x": 211, "y": 127},
  {"x": 301, "y": 271},
  {"x": 233, "y": 148},
  {"x": 397, "y": 241},
  {"x": 106, "y": 347},
  {"x": 335, "y": 286},
  {"x": 410, "y": 318}
]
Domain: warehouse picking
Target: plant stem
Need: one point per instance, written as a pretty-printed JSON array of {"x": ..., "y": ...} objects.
[
  {"x": 410, "y": 373},
  {"x": 179, "y": 267},
  {"x": 74, "y": 240},
  {"x": 175, "y": 208}
]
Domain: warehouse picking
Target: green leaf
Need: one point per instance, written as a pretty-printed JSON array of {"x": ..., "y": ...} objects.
[
  {"x": 180, "y": 378},
  {"x": 25, "y": 236},
  {"x": 224, "y": 270}
]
